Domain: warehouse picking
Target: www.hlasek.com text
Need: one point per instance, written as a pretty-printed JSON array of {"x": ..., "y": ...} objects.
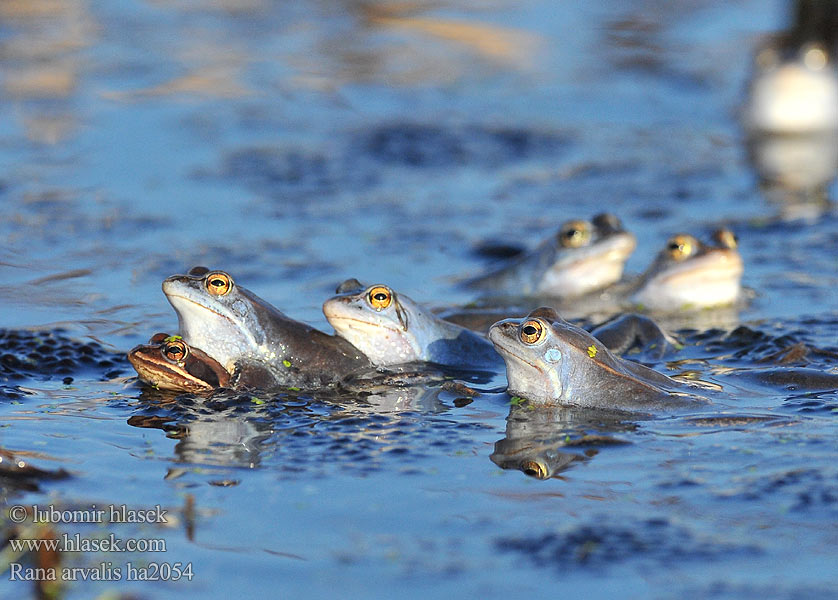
[{"x": 77, "y": 543}]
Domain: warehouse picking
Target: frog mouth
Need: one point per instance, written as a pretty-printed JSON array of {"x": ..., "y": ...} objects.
[
  {"x": 199, "y": 327},
  {"x": 550, "y": 378},
  {"x": 589, "y": 268},
  {"x": 521, "y": 358},
  {"x": 361, "y": 326},
  {"x": 616, "y": 247},
  {"x": 710, "y": 280},
  {"x": 524, "y": 360},
  {"x": 504, "y": 349},
  {"x": 199, "y": 305},
  {"x": 160, "y": 374},
  {"x": 715, "y": 266},
  {"x": 338, "y": 312},
  {"x": 380, "y": 342}
]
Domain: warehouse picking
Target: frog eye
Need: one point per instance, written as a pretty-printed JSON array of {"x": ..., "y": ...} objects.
[
  {"x": 726, "y": 238},
  {"x": 574, "y": 234},
  {"x": 532, "y": 332},
  {"x": 218, "y": 283},
  {"x": 681, "y": 247},
  {"x": 379, "y": 297},
  {"x": 175, "y": 350}
]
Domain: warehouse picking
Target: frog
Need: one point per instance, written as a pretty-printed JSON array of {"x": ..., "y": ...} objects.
[
  {"x": 551, "y": 362},
  {"x": 169, "y": 363},
  {"x": 166, "y": 362},
  {"x": 390, "y": 328},
  {"x": 582, "y": 257},
  {"x": 690, "y": 275},
  {"x": 236, "y": 328},
  {"x": 687, "y": 281}
]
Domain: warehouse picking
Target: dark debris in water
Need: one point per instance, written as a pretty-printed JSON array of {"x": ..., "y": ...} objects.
[
  {"x": 258, "y": 261},
  {"x": 823, "y": 403},
  {"x": 497, "y": 250},
  {"x": 12, "y": 393},
  {"x": 601, "y": 544},
  {"x": 425, "y": 145},
  {"x": 796, "y": 490},
  {"x": 51, "y": 354},
  {"x": 18, "y": 474},
  {"x": 796, "y": 378},
  {"x": 724, "y": 590},
  {"x": 740, "y": 342},
  {"x": 280, "y": 169},
  {"x": 353, "y": 161},
  {"x": 737, "y": 420},
  {"x": 789, "y": 363},
  {"x": 749, "y": 345}
]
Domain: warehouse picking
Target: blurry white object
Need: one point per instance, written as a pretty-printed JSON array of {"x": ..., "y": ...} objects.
[{"x": 794, "y": 87}]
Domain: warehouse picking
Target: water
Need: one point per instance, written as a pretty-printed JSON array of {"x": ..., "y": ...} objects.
[{"x": 297, "y": 146}]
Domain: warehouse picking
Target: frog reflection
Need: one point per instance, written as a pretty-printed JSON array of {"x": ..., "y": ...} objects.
[
  {"x": 541, "y": 461},
  {"x": 233, "y": 429},
  {"x": 225, "y": 430},
  {"x": 544, "y": 442},
  {"x": 392, "y": 396}
]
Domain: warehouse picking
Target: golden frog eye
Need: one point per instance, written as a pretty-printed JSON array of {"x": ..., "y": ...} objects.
[
  {"x": 379, "y": 297},
  {"x": 726, "y": 238},
  {"x": 218, "y": 283},
  {"x": 681, "y": 247},
  {"x": 532, "y": 332},
  {"x": 574, "y": 234},
  {"x": 175, "y": 350}
]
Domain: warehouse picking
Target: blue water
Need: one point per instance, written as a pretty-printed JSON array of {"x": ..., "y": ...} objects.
[{"x": 298, "y": 144}]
